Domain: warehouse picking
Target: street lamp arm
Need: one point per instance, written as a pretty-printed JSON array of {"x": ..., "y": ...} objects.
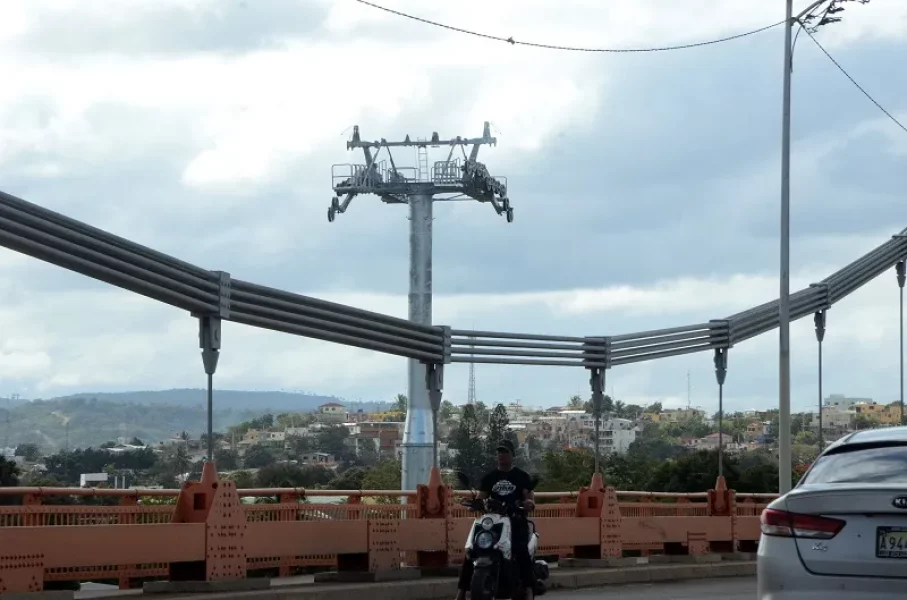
[{"x": 809, "y": 9}]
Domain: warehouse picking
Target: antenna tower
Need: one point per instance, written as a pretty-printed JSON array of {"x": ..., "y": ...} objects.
[
  {"x": 419, "y": 187},
  {"x": 471, "y": 394},
  {"x": 8, "y": 411},
  {"x": 689, "y": 391}
]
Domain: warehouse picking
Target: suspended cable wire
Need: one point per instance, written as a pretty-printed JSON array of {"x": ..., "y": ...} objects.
[
  {"x": 514, "y": 42},
  {"x": 852, "y": 80}
]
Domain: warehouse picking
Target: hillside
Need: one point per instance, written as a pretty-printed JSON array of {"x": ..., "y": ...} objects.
[
  {"x": 223, "y": 399},
  {"x": 92, "y": 419}
]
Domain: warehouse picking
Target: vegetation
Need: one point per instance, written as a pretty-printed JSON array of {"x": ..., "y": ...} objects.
[{"x": 657, "y": 461}]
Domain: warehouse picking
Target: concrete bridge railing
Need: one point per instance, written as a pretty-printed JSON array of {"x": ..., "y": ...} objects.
[{"x": 206, "y": 532}]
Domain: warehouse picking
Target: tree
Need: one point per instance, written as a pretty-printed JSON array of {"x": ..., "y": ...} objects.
[
  {"x": 633, "y": 411},
  {"x": 299, "y": 445},
  {"x": 333, "y": 440},
  {"x": 620, "y": 409},
  {"x": 226, "y": 460},
  {"x": 471, "y": 457},
  {"x": 447, "y": 411},
  {"x": 575, "y": 403},
  {"x": 629, "y": 471},
  {"x": 285, "y": 420},
  {"x": 258, "y": 456},
  {"x": 567, "y": 469},
  {"x": 367, "y": 455},
  {"x": 179, "y": 460},
  {"x": 482, "y": 414},
  {"x": 655, "y": 408},
  {"x": 400, "y": 403},
  {"x": 30, "y": 452},
  {"x": 694, "y": 472},
  {"x": 498, "y": 429},
  {"x": 807, "y": 438},
  {"x": 9, "y": 477},
  {"x": 286, "y": 476},
  {"x": 863, "y": 422},
  {"x": 385, "y": 475},
  {"x": 244, "y": 480},
  {"x": 9, "y": 473},
  {"x": 351, "y": 479}
]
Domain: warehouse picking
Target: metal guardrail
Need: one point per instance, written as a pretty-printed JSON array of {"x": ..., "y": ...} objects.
[
  {"x": 60, "y": 240},
  {"x": 65, "y": 242},
  {"x": 470, "y": 346}
]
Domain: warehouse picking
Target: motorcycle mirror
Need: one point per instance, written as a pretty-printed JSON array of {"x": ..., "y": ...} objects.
[{"x": 463, "y": 480}]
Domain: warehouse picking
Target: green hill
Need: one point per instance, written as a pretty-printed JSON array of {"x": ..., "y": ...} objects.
[
  {"x": 94, "y": 418},
  {"x": 90, "y": 422}
]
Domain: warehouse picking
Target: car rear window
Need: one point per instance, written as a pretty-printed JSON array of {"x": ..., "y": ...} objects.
[{"x": 867, "y": 464}]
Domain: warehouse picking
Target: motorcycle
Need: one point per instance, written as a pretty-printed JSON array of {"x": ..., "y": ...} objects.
[{"x": 489, "y": 547}]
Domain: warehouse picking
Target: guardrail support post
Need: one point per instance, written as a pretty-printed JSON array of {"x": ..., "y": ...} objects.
[
  {"x": 721, "y": 375},
  {"x": 819, "y": 320},
  {"x": 209, "y": 340},
  {"x": 597, "y": 350},
  {"x": 597, "y": 382},
  {"x": 434, "y": 382},
  {"x": 901, "y": 270}
]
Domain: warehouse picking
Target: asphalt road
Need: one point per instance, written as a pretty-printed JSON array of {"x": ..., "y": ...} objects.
[
  {"x": 731, "y": 588},
  {"x": 743, "y": 588}
]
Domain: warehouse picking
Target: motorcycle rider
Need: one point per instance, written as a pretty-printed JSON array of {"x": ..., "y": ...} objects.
[{"x": 507, "y": 484}]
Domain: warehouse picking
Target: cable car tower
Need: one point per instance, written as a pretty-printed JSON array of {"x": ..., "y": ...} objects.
[{"x": 454, "y": 179}]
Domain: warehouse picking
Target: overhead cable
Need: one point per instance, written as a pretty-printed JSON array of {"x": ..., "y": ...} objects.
[{"x": 513, "y": 42}]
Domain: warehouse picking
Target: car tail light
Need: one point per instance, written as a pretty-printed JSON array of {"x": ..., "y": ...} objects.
[{"x": 781, "y": 523}]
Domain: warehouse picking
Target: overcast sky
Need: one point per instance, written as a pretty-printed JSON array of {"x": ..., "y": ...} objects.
[{"x": 645, "y": 186}]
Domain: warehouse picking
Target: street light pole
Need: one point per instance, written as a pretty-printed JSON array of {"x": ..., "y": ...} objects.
[
  {"x": 784, "y": 441},
  {"x": 784, "y": 450}
]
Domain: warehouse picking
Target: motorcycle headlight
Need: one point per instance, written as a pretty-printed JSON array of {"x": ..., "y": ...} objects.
[
  {"x": 487, "y": 523},
  {"x": 485, "y": 540}
]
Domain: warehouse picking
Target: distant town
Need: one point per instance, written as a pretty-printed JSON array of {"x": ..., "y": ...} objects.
[{"x": 320, "y": 447}]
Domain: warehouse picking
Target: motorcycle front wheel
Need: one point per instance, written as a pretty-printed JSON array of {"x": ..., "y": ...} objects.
[{"x": 484, "y": 585}]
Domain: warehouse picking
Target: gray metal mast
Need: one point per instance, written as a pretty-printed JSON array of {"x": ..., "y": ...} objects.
[{"x": 451, "y": 179}]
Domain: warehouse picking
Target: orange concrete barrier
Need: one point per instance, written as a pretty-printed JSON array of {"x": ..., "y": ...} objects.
[{"x": 210, "y": 534}]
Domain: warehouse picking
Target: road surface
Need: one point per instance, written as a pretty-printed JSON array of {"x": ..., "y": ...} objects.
[{"x": 731, "y": 588}]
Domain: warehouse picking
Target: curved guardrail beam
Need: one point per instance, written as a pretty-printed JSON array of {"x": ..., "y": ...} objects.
[
  {"x": 496, "y": 347},
  {"x": 65, "y": 242},
  {"x": 54, "y": 238}
]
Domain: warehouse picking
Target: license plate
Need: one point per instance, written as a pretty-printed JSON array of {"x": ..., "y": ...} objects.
[{"x": 891, "y": 542}]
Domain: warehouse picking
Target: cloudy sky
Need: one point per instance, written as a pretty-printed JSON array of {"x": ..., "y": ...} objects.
[{"x": 645, "y": 186}]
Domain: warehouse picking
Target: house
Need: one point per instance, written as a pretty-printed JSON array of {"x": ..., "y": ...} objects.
[
  {"x": 711, "y": 441},
  {"x": 331, "y": 412}
]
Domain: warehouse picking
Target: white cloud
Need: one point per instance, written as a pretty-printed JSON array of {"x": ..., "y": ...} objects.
[
  {"x": 235, "y": 119},
  {"x": 251, "y": 117}
]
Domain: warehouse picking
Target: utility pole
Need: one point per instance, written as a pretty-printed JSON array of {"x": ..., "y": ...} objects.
[{"x": 419, "y": 188}]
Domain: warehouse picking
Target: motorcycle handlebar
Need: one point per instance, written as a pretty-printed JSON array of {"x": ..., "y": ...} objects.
[{"x": 478, "y": 504}]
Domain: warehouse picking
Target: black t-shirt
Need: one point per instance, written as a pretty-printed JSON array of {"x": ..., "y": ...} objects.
[{"x": 506, "y": 486}]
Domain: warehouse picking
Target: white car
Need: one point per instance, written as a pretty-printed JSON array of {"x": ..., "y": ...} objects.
[{"x": 841, "y": 533}]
